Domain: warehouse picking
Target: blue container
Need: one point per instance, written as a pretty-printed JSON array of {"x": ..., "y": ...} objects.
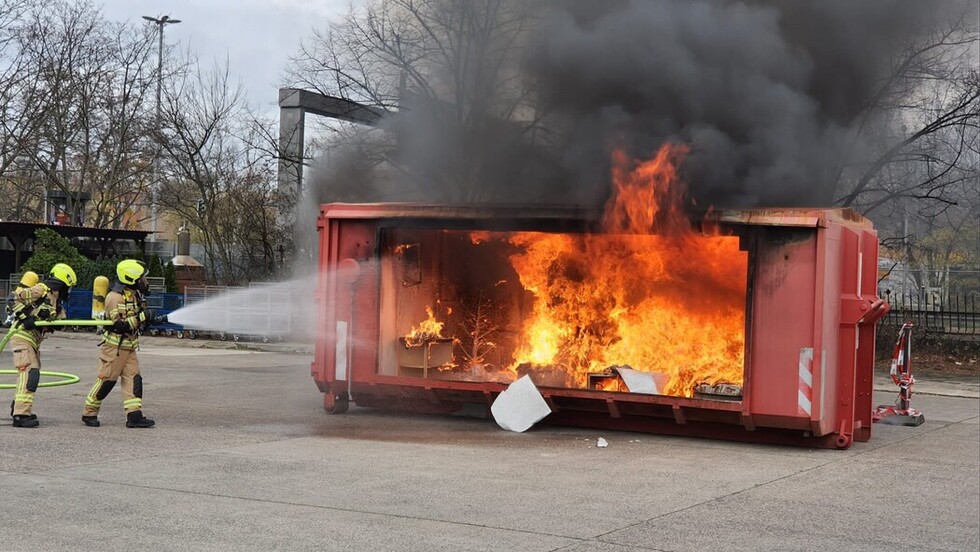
[{"x": 79, "y": 306}]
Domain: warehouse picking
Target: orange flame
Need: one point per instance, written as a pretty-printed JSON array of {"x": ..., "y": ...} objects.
[
  {"x": 650, "y": 293},
  {"x": 429, "y": 329}
]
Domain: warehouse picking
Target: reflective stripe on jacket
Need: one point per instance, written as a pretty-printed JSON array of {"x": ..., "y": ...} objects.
[
  {"x": 123, "y": 306},
  {"x": 28, "y": 302}
]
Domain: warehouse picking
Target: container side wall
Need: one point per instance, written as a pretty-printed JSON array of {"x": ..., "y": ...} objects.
[
  {"x": 866, "y": 336},
  {"x": 827, "y": 338},
  {"x": 782, "y": 318},
  {"x": 346, "y": 298}
]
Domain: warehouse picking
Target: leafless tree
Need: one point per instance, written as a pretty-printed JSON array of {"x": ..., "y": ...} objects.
[
  {"x": 924, "y": 125},
  {"x": 20, "y": 99},
  {"x": 446, "y": 65},
  {"x": 82, "y": 110},
  {"x": 216, "y": 180},
  {"x": 923, "y": 114}
]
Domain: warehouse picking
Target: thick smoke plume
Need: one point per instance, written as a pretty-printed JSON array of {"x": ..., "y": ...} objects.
[{"x": 764, "y": 94}]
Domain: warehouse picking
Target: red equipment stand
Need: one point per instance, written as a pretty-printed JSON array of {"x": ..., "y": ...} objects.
[{"x": 901, "y": 413}]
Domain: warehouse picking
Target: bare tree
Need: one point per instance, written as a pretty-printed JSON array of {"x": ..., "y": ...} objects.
[
  {"x": 91, "y": 115},
  {"x": 216, "y": 179},
  {"x": 21, "y": 97},
  {"x": 921, "y": 186},
  {"x": 446, "y": 65},
  {"x": 118, "y": 153},
  {"x": 923, "y": 119}
]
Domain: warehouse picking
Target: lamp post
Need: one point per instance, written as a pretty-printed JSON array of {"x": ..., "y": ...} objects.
[{"x": 160, "y": 22}]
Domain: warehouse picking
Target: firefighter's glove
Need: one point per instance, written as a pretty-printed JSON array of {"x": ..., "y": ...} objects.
[
  {"x": 146, "y": 317},
  {"x": 121, "y": 327},
  {"x": 43, "y": 314},
  {"x": 27, "y": 323}
]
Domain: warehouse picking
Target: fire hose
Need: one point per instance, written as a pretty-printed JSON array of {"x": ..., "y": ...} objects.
[
  {"x": 46, "y": 323},
  {"x": 66, "y": 378}
]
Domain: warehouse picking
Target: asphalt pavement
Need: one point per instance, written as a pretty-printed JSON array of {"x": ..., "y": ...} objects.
[{"x": 243, "y": 457}]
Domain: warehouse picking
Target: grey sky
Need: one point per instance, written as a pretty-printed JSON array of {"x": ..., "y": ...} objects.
[{"x": 257, "y": 36}]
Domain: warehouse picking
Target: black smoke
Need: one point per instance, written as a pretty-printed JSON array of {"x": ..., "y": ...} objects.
[{"x": 766, "y": 95}]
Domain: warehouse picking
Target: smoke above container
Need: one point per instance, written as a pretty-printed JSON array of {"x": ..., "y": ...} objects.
[{"x": 765, "y": 95}]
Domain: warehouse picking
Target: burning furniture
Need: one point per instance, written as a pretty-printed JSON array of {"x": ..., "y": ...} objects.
[{"x": 753, "y": 324}]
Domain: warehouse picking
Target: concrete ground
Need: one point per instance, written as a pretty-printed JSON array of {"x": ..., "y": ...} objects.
[{"x": 244, "y": 458}]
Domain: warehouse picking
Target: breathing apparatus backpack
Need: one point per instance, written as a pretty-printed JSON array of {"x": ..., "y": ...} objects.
[
  {"x": 40, "y": 309},
  {"x": 8, "y": 314},
  {"x": 28, "y": 279}
]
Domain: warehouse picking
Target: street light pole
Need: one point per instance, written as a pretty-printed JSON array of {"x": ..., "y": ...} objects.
[{"x": 160, "y": 22}]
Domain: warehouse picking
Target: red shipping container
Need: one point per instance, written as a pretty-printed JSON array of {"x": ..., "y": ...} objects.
[{"x": 806, "y": 355}]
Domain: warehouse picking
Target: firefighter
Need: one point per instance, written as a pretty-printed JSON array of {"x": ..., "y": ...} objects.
[
  {"x": 41, "y": 301},
  {"x": 126, "y": 307},
  {"x": 29, "y": 279}
]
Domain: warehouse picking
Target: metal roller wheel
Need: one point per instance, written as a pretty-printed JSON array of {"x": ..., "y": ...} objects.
[{"x": 335, "y": 404}]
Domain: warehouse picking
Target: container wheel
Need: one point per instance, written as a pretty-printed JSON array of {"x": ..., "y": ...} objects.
[
  {"x": 192, "y": 335},
  {"x": 335, "y": 404},
  {"x": 223, "y": 336},
  {"x": 180, "y": 334},
  {"x": 235, "y": 338}
]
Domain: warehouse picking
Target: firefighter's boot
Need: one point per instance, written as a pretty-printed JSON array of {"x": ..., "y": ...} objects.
[
  {"x": 136, "y": 419},
  {"x": 31, "y": 416},
  {"x": 26, "y": 421},
  {"x": 91, "y": 421}
]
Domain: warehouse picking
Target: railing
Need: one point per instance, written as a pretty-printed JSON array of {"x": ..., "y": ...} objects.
[
  {"x": 261, "y": 309},
  {"x": 957, "y": 315}
]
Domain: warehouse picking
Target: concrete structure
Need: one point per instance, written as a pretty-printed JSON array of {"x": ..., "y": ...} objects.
[{"x": 294, "y": 104}]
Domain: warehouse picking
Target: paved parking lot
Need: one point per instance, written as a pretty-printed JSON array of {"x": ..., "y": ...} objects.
[{"x": 244, "y": 458}]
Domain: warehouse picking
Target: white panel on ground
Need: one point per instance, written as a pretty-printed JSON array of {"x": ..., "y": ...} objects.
[{"x": 520, "y": 406}]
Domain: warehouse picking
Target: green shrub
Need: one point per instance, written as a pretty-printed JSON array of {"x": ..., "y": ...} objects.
[
  {"x": 103, "y": 266},
  {"x": 170, "y": 277},
  {"x": 50, "y": 248},
  {"x": 154, "y": 268}
]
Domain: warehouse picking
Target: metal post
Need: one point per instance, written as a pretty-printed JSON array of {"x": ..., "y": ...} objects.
[
  {"x": 156, "y": 171},
  {"x": 160, "y": 22}
]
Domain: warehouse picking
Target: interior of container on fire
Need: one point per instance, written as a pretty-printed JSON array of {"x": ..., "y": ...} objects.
[{"x": 623, "y": 313}]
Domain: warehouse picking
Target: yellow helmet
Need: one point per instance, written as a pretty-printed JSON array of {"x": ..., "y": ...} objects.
[
  {"x": 64, "y": 274},
  {"x": 130, "y": 271},
  {"x": 29, "y": 279}
]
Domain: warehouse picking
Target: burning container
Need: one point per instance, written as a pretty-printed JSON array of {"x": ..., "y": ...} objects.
[{"x": 757, "y": 325}]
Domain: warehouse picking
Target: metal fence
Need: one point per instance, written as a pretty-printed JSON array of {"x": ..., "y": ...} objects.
[
  {"x": 257, "y": 311},
  {"x": 956, "y": 315}
]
